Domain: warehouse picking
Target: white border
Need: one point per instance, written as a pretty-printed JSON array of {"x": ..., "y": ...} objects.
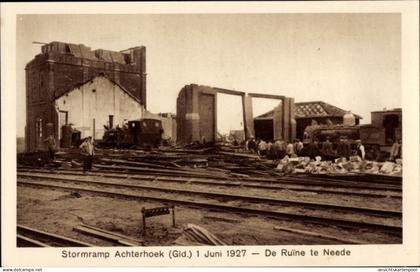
[{"x": 406, "y": 254}]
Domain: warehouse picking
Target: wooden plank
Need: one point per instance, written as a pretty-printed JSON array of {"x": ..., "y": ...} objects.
[
  {"x": 242, "y": 155},
  {"x": 175, "y": 164},
  {"x": 269, "y": 96},
  {"x": 231, "y": 92}
]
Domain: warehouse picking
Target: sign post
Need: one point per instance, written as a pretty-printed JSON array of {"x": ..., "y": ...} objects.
[{"x": 156, "y": 212}]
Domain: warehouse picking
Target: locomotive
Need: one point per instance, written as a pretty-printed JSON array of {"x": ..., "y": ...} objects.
[
  {"x": 377, "y": 137},
  {"x": 136, "y": 133}
]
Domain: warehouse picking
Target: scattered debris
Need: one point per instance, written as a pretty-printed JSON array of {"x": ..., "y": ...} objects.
[
  {"x": 217, "y": 160},
  {"x": 340, "y": 166},
  {"x": 196, "y": 235}
]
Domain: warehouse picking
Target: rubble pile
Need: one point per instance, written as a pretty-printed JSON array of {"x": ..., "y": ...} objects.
[
  {"x": 212, "y": 161},
  {"x": 355, "y": 164}
]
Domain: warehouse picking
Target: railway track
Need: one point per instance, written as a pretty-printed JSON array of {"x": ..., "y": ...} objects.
[
  {"x": 371, "y": 178},
  {"x": 302, "y": 184},
  {"x": 341, "y": 215},
  {"x": 30, "y": 237}
]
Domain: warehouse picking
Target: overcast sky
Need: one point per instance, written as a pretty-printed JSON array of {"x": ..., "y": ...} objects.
[{"x": 352, "y": 61}]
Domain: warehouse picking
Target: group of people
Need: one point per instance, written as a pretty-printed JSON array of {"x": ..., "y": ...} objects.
[
  {"x": 274, "y": 149},
  {"x": 87, "y": 151},
  {"x": 279, "y": 148}
]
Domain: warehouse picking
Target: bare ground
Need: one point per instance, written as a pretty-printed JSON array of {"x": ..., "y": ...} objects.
[{"x": 59, "y": 211}]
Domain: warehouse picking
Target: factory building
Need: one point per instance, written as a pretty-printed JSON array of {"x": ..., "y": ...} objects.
[{"x": 72, "y": 73}]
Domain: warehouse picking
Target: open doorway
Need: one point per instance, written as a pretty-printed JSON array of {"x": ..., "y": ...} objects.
[
  {"x": 263, "y": 111},
  {"x": 230, "y": 123},
  {"x": 390, "y": 123}
]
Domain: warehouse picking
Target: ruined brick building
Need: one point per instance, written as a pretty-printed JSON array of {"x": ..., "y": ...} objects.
[{"x": 70, "y": 83}]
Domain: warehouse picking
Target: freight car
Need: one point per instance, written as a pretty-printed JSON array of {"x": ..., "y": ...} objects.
[{"x": 377, "y": 137}]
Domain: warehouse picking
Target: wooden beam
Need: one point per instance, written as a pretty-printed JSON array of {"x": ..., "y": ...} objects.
[
  {"x": 231, "y": 92},
  {"x": 269, "y": 96}
]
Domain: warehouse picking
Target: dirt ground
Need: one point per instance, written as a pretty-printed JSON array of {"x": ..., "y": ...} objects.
[{"x": 60, "y": 211}]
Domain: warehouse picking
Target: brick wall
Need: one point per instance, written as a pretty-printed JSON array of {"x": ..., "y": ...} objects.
[{"x": 62, "y": 67}]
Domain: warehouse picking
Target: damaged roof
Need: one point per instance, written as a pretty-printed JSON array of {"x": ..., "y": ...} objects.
[
  {"x": 312, "y": 109},
  {"x": 85, "y": 52}
]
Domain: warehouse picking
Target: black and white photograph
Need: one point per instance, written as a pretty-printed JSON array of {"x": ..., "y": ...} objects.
[{"x": 214, "y": 130}]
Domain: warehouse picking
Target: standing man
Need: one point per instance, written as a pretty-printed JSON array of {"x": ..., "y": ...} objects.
[
  {"x": 280, "y": 148},
  {"x": 395, "y": 151},
  {"x": 298, "y": 147},
  {"x": 87, "y": 151},
  {"x": 262, "y": 148},
  {"x": 252, "y": 145},
  {"x": 290, "y": 150},
  {"x": 312, "y": 149},
  {"x": 360, "y": 149},
  {"x": 343, "y": 148},
  {"x": 327, "y": 149},
  {"x": 270, "y": 151},
  {"x": 50, "y": 142}
]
